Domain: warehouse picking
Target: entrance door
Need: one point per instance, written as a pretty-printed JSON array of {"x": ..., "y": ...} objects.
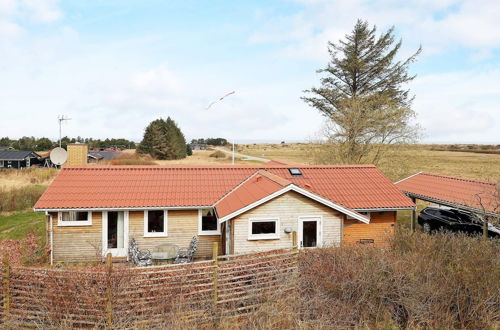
[
  {"x": 309, "y": 232},
  {"x": 115, "y": 232}
]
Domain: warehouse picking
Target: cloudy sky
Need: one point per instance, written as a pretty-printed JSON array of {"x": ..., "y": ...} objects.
[{"x": 115, "y": 65}]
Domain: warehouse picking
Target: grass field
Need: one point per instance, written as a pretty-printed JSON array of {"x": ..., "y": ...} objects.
[
  {"x": 16, "y": 225},
  {"x": 399, "y": 162}
]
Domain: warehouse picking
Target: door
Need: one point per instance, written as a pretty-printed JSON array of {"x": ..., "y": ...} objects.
[
  {"x": 309, "y": 232},
  {"x": 115, "y": 233}
]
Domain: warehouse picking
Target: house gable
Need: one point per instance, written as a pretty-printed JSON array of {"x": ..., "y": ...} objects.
[{"x": 301, "y": 191}]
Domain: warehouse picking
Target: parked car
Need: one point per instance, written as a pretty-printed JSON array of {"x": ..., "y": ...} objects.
[{"x": 432, "y": 219}]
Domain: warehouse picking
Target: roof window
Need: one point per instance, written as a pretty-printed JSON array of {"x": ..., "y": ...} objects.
[{"x": 295, "y": 171}]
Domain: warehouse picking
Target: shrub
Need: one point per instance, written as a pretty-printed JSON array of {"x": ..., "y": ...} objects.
[
  {"x": 18, "y": 199},
  {"x": 133, "y": 159},
  {"x": 439, "y": 281},
  {"x": 218, "y": 154}
]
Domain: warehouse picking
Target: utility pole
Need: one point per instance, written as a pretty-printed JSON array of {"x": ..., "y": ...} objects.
[
  {"x": 233, "y": 151},
  {"x": 61, "y": 119}
]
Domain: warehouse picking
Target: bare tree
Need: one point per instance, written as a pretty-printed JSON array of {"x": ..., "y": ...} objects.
[{"x": 489, "y": 202}]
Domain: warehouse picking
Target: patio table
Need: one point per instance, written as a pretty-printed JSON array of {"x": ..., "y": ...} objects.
[{"x": 165, "y": 252}]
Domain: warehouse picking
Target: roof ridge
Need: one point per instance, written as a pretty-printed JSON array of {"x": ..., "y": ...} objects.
[
  {"x": 160, "y": 167},
  {"x": 458, "y": 178},
  {"x": 275, "y": 178},
  {"x": 234, "y": 188}
]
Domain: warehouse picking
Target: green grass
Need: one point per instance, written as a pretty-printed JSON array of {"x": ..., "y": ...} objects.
[{"x": 16, "y": 225}]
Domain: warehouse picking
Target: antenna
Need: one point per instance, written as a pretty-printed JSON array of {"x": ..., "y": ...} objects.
[
  {"x": 61, "y": 119},
  {"x": 58, "y": 156}
]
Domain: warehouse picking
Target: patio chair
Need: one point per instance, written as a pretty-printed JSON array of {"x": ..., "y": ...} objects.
[
  {"x": 186, "y": 255},
  {"x": 138, "y": 257}
]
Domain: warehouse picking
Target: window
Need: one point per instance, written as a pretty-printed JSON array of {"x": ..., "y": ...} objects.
[
  {"x": 155, "y": 223},
  {"x": 74, "y": 218},
  {"x": 295, "y": 171},
  {"x": 263, "y": 229},
  {"x": 366, "y": 241},
  {"x": 208, "y": 224}
]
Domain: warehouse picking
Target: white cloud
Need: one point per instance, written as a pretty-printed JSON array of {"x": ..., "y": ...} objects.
[
  {"x": 437, "y": 25},
  {"x": 42, "y": 11},
  {"x": 9, "y": 30},
  {"x": 459, "y": 106}
]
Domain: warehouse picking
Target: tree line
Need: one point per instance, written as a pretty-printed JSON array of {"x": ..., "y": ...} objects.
[
  {"x": 211, "y": 141},
  {"x": 45, "y": 144}
]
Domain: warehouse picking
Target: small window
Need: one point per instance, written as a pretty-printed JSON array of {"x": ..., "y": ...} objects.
[
  {"x": 75, "y": 218},
  {"x": 208, "y": 222},
  {"x": 366, "y": 241},
  {"x": 155, "y": 223},
  {"x": 263, "y": 229},
  {"x": 295, "y": 171}
]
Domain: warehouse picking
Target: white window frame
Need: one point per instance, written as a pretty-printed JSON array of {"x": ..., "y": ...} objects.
[
  {"x": 165, "y": 224},
  {"x": 319, "y": 230},
  {"x": 61, "y": 223},
  {"x": 1, "y": 163},
  {"x": 366, "y": 214},
  {"x": 206, "y": 232},
  {"x": 252, "y": 237}
]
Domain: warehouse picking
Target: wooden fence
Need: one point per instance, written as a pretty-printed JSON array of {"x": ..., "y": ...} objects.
[{"x": 121, "y": 296}]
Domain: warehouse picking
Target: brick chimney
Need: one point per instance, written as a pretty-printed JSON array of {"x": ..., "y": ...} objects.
[{"x": 77, "y": 154}]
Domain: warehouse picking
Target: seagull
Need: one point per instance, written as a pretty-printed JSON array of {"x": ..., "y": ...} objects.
[{"x": 210, "y": 105}]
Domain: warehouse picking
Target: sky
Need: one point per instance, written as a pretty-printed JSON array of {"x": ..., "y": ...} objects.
[{"x": 113, "y": 66}]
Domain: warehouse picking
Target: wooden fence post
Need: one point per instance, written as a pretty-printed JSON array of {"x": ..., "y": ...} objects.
[
  {"x": 215, "y": 254},
  {"x": 294, "y": 240},
  {"x": 6, "y": 287},
  {"x": 109, "y": 291}
]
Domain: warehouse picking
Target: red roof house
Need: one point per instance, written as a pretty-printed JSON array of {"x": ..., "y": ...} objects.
[{"x": 244, "y": 208}]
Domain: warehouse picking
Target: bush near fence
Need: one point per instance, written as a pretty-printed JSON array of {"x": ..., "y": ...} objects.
[
  {"x": 428, "y": 282},
  {"x": 199, "y": 293}
]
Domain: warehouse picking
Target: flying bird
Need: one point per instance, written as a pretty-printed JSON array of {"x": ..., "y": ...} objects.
[{"x": 220, "y": 99}]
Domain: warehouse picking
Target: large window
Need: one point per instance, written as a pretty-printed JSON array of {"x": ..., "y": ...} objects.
[
  {"x": 208, "y": 223},
  {"x": 155, "y": 223},
  {"x": 263, "y": 229},
  {"x": 74, "y": 218}
]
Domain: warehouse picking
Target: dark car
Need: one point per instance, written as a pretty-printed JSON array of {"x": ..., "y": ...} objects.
[{"x": 432, "y": 219}]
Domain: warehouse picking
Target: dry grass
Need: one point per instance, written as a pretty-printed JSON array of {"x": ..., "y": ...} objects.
[
  {"x": 202, "y": 157},
  {"x": 132, "y": 158},
  {"x": 400, "y": 161},
  {"x": 421, "y": 282},
  {"x": 13, "y": 178}
]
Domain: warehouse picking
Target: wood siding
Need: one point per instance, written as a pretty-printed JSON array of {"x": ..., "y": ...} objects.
[
  {"x": 181, "y": 227},
  {"x": 84, "y": 243},
  {"x": 380, "y": 229},
  {"x": 78, "y": 243},
  {"x": 288, "y": 207}
]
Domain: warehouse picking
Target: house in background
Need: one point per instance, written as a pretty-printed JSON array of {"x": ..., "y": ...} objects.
[
  {"x": 244, "y": 208},
  {"x": 99, "y": 156},
  {"x": 19, "y": 159},
  {"x": 198, "y": 146}
]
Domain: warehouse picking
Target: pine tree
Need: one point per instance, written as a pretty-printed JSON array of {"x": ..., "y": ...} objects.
[
  {"x": 362, "y": 95},
  {"x": 163, "y": 140}
]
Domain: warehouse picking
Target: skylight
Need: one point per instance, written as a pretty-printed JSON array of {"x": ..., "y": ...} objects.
[{"x": 295, "y": 171}]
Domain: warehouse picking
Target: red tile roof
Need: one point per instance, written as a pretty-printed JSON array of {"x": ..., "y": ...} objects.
[
  {"x": 360, "y": 186},
  {"x": 258, "y": 186},
  {"x": 465, "y": 192}
]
